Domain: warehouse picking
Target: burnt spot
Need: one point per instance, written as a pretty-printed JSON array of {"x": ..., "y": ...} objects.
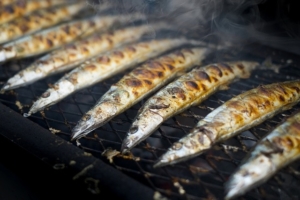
[
  {"x": 90, "y": 67},
  {"x": 148, "y": 82},
  {"x": 263, "y": 90},
  {"x": 85, "y": 50},
  {"x": 170, "y": 67},
  {"x": 168, "y": 59},
  {"x": 217, "y": 70},
  {"x": 240, "y": 66},
  {"x": 206, "y": 132},
  {"x": 131, "y": 49},
  {"x": 118, "y": 54},
  {"x": 273, "y": 146},
  {"x": 203, "y": 87},
  {"x": 175, "y": 90},
  {"x": 201, "y": 75},
  {"x": 133, "y": 82},
  {"x": 109, "y": 40},
  {"x": 144, "y": 73},
  {"x": 92, "y": 23},
  {"x": 214, "y": 79},
  {"x": 24, "y": 28},
  {"x": 9, "y": 9},
  {"x": 297, "y": 89},
  {"x": 133, "y": 129},
  {"x": 191, "y": 85},
  {"x": 72, "y": 46},
  {"x": 103, "y": 60},
  {"x": 159, "y": 106},
  {"x": 281, "y": 98},
  {"x": 66, "y": 29},
  {"x": 155, "y": 65},
  {"x": 160, "y": 74},
  {"x": 49, "y": 42},
  {"x": 226, "y": 66},
  {"x": 180, "y": 54},
  {"x": 73, "y": 78},
  {"x": 188, "y": 51},
  {"x": 46, "y": 95}
]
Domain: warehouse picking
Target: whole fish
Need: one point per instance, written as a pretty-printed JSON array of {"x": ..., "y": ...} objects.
[
  {"x": 278, "y": 149},
  {"x": 21, "y": 7},
  {"x": 74, "y": 54},
  {"x": 38, "y": 20},
  {"x": 189, "y": 90},
  {"x": 235, "y": 116},
  {"x": 103, "y": 67},
  {"x": 60, "y": 35},
  {"x": 136, "y": 85}
]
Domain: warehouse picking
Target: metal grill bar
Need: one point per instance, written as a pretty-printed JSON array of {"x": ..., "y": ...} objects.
[{"x": 200, "y": 178}]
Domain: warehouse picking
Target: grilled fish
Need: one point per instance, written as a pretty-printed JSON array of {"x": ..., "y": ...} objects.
[
  {"x": 189, "y": 90},
  {"x": 136, "y": 85},
  {"x": 21, "y": 7},
  {"x": 57, "y": 36},
  {"x": 74, "y": 54},
  {"x": 103, "y": 67},
  {"x": 37, "y": 21},
  {"x": 6, "y": 2},
  {"x": 235, "y": 116},
  {"x": 278, "y": 149}
]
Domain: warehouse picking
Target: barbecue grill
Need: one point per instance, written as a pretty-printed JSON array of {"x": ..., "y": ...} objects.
[{"x": 95, "y": 161}]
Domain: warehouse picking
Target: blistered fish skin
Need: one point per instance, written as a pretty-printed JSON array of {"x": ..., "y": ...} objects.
[
  {"x": 103, "y": 67},
  {"x": 189, "y": 90},
  {"x": 20, "y": 8},
  {"x": 278, "y": 149},
  {"x": 136, "y": 85},
  {"x": 74, "y": 54},
  {"x": 235, "y": 116},
  {"x": 55, "y": 37},
  {"x": 37, "y": 21}
]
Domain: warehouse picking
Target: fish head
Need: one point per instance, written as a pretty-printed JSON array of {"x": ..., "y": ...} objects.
[{"x": 249, "y": 175}]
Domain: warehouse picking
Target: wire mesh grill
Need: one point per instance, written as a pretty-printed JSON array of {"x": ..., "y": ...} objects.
[{"x": 199, "y": 178}]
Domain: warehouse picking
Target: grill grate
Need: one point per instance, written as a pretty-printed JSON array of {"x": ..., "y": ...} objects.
[{"x": 200, "y": 178}]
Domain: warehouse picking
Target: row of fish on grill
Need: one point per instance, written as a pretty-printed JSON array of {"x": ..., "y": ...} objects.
[{"x": 95, "y": 53}]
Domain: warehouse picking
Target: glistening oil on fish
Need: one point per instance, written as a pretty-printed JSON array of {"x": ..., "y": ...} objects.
[
  {"x": 104, "y": 66},
  {"x": 189, "y": 90},
  {"x": 74, "y": 54},
  {"x": 277, "y": 150},
  {"x": 136, "y": 85},
  {"x": 235, "y": 116}
]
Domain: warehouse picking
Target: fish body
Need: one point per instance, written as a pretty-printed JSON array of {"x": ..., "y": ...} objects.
[
  {"x": 19, "y": 8},
  {"x": 136, "y": 85},
  {"x": 37, "y": 21},
  {"x": 102, "y": 67},
  {"x": 74, "y": 54},
  {"x": 60, "y": 35},
  {"x": 189, "y": 90},
  {"x": 235, "y": 116},
  {"x": 278, "y": 149}
]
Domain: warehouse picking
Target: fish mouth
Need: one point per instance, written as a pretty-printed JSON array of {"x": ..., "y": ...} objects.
[{"x": 82, "y": 129}]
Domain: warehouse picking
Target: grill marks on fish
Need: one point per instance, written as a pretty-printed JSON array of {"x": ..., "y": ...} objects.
[
  {"x": 76, "y": 53},
  {"x": 137, "y": 84},
  {"x": 60, "y": 35},
  {"x": 20, "y": 8},
  {"x": 236, "y": 115},
  {"x": 278, "y": 149},
  {"x": 38, "y": 20},
  {"x": 190, "y": 89}
]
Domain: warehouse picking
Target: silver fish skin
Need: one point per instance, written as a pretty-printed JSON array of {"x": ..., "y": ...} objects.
[
  {"x": 102, "y": 67},
  {"x": 189, "y": 90},
  {"x": 277, "y": 150},
  {"x": 136, "y": 85},
  {"x": 235, "y": 116},
  {"x": 21, "y": 8},
  {"x": 38, "y": 20},
  {"x": 55, "y": 37},
  {"x": 74, "y": 54}
]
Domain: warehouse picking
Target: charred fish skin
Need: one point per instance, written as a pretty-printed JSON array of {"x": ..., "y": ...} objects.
[
  {"x": 20, "y": 8},
  {"x": 235, "y": 116},
  {"x": 74, "y": 54},
  {"x": 104, "y": 66},
  {"x": 55, "y": 37},
  {"x": 38, "y": 20},
  {"x": 136, "y": 85},
  {"x": 189, "y": 90},
  {"x": 277, "y": 150}
]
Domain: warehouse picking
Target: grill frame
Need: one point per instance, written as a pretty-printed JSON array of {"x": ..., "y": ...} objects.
[{"x": 39, "y": 138}]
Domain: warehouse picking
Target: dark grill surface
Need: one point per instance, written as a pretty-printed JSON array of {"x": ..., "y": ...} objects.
[{"x": 199, "y": 178}]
